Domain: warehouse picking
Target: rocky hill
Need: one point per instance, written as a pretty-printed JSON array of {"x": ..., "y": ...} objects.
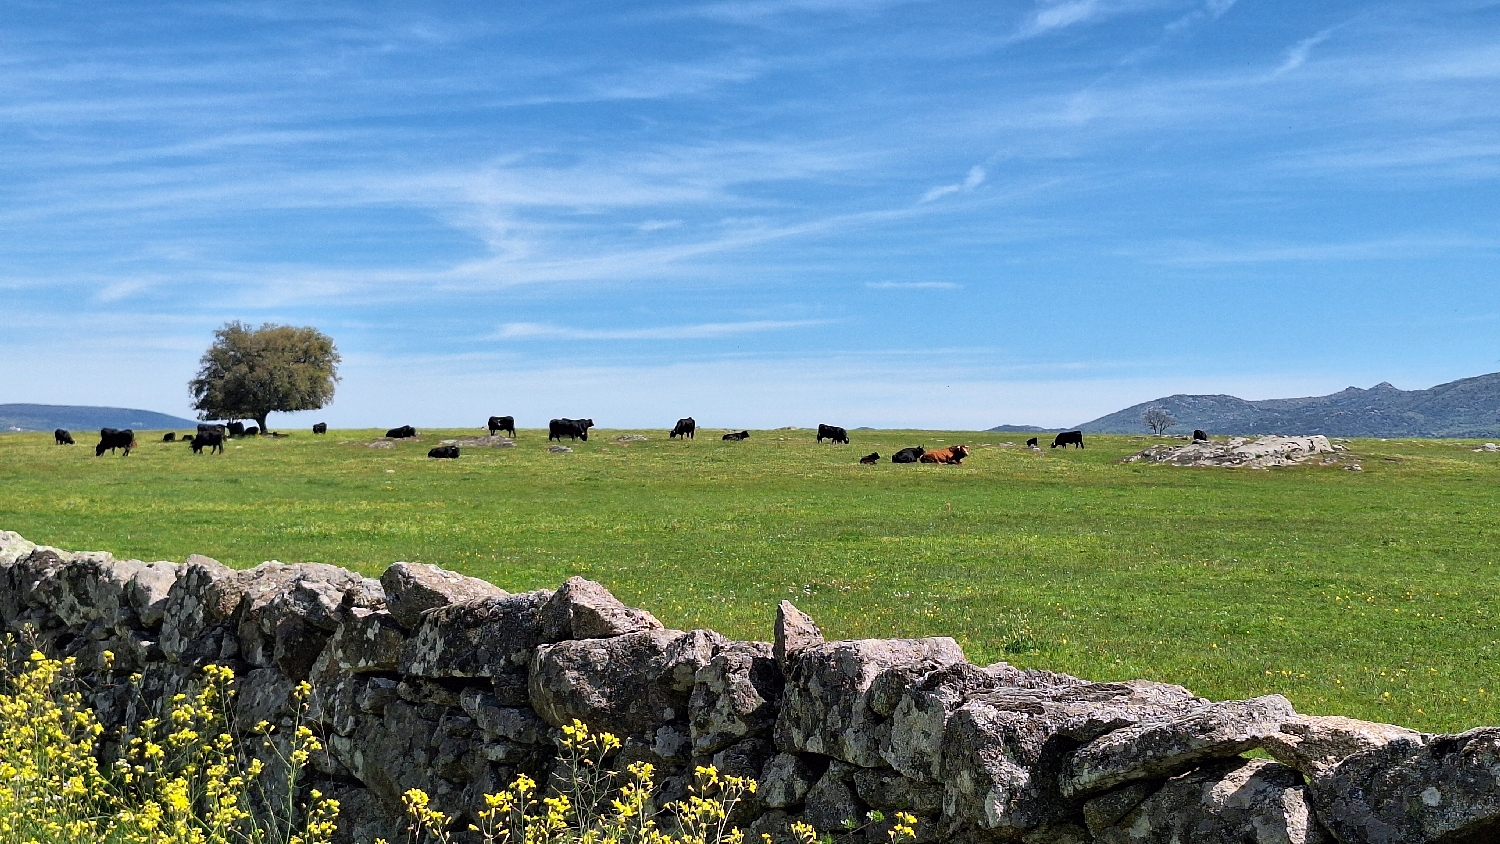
[
  {"x": 46, "y": 417},
  {"x": 1469, "y": 407}
]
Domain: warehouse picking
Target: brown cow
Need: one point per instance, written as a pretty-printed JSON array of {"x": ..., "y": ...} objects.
[{"x": 953, "y": 455}]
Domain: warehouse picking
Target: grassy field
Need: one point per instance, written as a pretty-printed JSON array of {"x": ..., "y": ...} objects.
[{"x": 1369, "y": 594}]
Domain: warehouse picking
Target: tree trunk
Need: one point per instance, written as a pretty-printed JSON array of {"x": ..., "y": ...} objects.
[{"x": 261, "y": 421}]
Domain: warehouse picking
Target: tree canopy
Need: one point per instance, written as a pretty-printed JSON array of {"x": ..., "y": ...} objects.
[{"x": 249, "y": 373}]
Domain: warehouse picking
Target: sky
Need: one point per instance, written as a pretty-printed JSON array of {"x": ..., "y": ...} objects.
[{"x": 759, "y": 213}]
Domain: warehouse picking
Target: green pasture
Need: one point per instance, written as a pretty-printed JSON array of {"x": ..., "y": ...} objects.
[{"x": 1371, "y": 594}]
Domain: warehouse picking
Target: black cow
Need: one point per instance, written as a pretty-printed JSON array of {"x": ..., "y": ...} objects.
[
  {"x": 1031, "y": 443},
  {"x": 401, "y": 433},
  {"x": 62, "y": 436},
  {"x": 870, "y": 459},
  {"x": 833, "y": 433},
  {"x": 571, "y": 428},
  {"x": 252, "y": 431},
  {"x": 1068, "y": 438},
  {"x": 737, "y": 436},
  {"x": 1200, "y": 436},
  {"x": 235, "y": 429},
  {"x": 684, "y": 428},
  {"x": 320, "y": 427},
  {"x": 503, "y": 423},
  {"x": 909, "y": 455},
  {"x": 111, "y": 439},
  {"x": 210, "y": 437},
  {"x": 169, "y": 437},
  {"x": 444, "y": 452}
]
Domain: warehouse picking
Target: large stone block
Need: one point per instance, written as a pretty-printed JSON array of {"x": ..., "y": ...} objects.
[
  {"x": 826, "y": 703},
  {"x": 1230, "y": 801},
  {"x": 735, "y": 696},
  {"x": 1003, "y": 751},
  {"x": 583, "y": 609},
  {"x": 919, "y": 717},
  {"x": 148, "y": 591},
  {"x": 287, "y": 612},
  {"x": 414, "y": 588},
  {"x": 490, "y": 637},
  {"x": 629, "y": 685},
  {"x": 1153, "y": 750},
  {"x": 200, "y": 604},
  {"x": 1316, "y": 744},
  {"x": 1446, "y": 791},
  {"x": 795, "y": 632}
]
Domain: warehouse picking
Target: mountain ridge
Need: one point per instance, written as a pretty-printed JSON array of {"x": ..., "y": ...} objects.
[
  {"x": 1467, "y": 407},
  {"x": 46, "y": 417}
]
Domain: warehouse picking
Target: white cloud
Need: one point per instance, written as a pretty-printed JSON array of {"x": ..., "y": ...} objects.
[
  {"x": 706, "y": 330},
  {"x": 1297, "y": 55},
  {"x": 970, "y": 182},
  {"x": 912, "y": 285},
  {"x": 659, "y": 225}
]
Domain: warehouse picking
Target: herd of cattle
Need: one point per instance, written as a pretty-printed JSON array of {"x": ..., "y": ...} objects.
[{"x": 212, "y": 436}]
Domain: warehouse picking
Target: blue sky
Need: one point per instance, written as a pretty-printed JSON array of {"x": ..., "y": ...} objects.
[{"x": 757, "y": 212}]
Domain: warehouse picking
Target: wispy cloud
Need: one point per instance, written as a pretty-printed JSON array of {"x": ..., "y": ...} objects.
[
  {"x": 700, "y": 331},
  {"x": 912, "y": 285},
  {"x": 1297, "y": 54},
  {"x": 970, "y": 182}
]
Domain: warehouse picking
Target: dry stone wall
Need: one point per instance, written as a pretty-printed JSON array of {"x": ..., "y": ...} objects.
[{"x": 429, "y": 679}]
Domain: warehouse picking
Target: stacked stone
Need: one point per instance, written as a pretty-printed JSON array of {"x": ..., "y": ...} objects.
[{"x": 428, "y": 679}]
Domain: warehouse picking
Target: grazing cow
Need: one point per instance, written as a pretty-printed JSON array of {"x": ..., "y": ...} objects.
[
  {"x": 235, "y": 429},
  {"x": 833, "y": 433},
  {"x": 210, "y": 437},
  {"x": 908, "y": 455},
  {"x": 1068, "y": 438},
  {"x": 62, "y": 436},
  {"x": 571, "y": 428},
  {"x": 503, "y": 423},
  {"x": 252, "y": 431},
  {"x": 111, "y": 439},
  {"x": 737, "y": 436},
  {"x": 1199, "y": 436},
  {"x": 952, "y": 455},
  {"x": 1031, "y": 443},
  {"x": 684, "y": 428},
  {"x": 870, "y": 459},
  {"x": 169, "y": 437},
  {"x": 401, "y": 433},
  {"x": 444, "y": 452},
  {"x": 320, "y": 427}
]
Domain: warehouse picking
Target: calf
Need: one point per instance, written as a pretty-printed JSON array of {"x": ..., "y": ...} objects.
[
  {"x": 210, "y": 437},
  {"x": 684, "y": 428},
  {"x": 111, "y": 439},
  {"x": 502, "y": 423},
  {"x": 169, "y": 437},
  {"x": 320, "y": 427},
  {"x": 834, "y": 433},
  {"x": 444, "y": 452},
  {"x": 63, "y": 437},
  {"x": 870, "y": 459},
  {"x": 952, "y": 456},
  {"x": 908, "y": 455},
  {"x": 737, "y": 436},
  {"x": 252, "y": 431},
  {"x": 1068, "y": 438},
  {"x": 1031, "y": 443},
  {"x": 1200, "y": 436},
  {"x": 573, "y": 429},
  {"x": 402, "y": 433}
]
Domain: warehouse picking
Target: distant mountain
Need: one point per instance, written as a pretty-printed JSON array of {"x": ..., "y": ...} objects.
[
  {"x": 1469, "y": 407},
  {"x": 47, "y": 417},
  {"x": 1024, "y": 429}
]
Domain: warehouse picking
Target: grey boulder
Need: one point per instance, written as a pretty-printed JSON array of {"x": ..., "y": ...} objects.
[
  {"x": 414, "y": 588},
  {"x": 481, "y": 637},
  {"x": 795, "y": 632},
  {"x": 1230, "y": 801},
  {"x": 735, "y": 696},
  {"x": 583, "y": 609}
]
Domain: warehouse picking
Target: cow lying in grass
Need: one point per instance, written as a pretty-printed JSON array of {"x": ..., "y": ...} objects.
[{"x": 953, "y": 455}]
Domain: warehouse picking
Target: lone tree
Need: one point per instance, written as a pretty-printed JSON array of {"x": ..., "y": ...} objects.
[
  {"x": 1158, "y": 419},
  {"x": 248, "y": 373}
]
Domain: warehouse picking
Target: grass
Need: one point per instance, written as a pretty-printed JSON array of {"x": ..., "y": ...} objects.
[{"x": 1370, "y": 594}]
